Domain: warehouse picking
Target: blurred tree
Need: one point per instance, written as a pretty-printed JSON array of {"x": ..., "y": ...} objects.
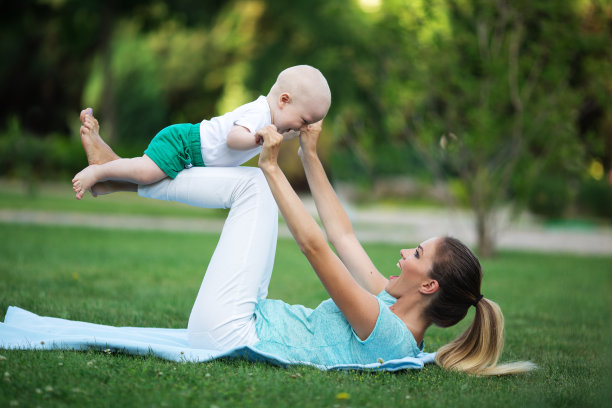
[
  {"x": 338, "y": 38},
  {"x": 593, "y": 60},
  {"x": 177, "y": 72},
  {"x": 140, "y": 17},
  {"x": 495, "y": 84},
  {"x": 492, "y": 100},
  {"x": 48, "y": 47},
  {"x": 503, "y": 92},
  {"x": 513, "y": 90},
  {"x": 44, "y": 51}
]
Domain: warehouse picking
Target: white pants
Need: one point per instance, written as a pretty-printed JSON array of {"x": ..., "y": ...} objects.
[{"x": 241, "y": 266}]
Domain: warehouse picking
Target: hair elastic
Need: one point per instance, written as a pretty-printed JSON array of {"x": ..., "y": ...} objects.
[{"x": 477, "y": 300}]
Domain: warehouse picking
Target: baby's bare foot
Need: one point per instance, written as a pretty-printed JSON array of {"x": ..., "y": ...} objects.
[
  {"x": 84, "y": 180},
  {"x": 97, "y": 151}
]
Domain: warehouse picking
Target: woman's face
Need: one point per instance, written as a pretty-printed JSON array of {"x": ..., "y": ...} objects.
[{"x": 414, "y": 265}]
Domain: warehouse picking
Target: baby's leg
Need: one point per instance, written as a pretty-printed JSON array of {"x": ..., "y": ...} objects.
[
  {"x": 240, "y": 268},
  {"x": 113, "y": 186},
  {"x": 97, "y": 151},
  {"x": 139, "y": 170}
]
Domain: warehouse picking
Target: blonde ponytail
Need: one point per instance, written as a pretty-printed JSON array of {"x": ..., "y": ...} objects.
[{"x": 477, "y": 350}]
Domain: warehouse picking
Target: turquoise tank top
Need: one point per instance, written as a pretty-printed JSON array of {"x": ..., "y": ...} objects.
[{"x": 323, "y": 336}]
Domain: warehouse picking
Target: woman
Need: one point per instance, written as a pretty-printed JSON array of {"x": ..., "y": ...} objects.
[{"x": 368, "y": 317}]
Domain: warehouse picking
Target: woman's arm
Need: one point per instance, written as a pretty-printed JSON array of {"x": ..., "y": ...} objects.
[
  {"x": 358, "y": 306},
  {"x": 334, "y": 218}
]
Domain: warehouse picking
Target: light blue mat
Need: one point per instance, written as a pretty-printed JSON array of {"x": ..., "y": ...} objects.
[{"x": 25, "y": 330}]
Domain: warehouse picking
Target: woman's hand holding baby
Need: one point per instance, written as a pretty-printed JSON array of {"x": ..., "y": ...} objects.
[
  {"x": 309, "y": 139},
  {"x": 271, "y": 140}
]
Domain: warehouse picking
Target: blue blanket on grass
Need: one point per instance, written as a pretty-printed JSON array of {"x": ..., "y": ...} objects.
[{"x": 27, "y": 331}]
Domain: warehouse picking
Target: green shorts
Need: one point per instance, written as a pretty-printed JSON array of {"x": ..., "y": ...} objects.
[{"x": 176, "y": 147}]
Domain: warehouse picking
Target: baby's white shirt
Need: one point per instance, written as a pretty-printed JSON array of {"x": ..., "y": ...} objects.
[{"x": 213, "y": 133}]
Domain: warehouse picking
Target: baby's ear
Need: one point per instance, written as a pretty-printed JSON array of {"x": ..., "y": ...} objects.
[{"x": 284, "y": 98}]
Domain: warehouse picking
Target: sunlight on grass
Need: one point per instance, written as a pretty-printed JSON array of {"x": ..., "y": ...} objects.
[{"x": 557, "y": 310}]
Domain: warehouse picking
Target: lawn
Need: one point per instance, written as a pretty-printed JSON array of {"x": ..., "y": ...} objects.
[{"x": 557, "y": 309}]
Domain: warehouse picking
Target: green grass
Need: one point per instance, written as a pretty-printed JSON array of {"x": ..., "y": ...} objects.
[{"x": 557, "y": 310}]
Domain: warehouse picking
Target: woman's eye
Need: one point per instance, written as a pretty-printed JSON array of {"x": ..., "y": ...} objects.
[{"x": 416, "y": 253}]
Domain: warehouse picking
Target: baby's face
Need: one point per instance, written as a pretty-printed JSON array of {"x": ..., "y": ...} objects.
[{"x": 296, "y": 115}]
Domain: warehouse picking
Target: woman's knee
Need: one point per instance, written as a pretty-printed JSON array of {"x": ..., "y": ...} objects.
[
  {"x": 253, "y": 177},
  {"x": 254, "y": 184}
]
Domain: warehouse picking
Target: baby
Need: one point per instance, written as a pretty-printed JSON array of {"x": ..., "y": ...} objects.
[{"x": 300, "y": 96}]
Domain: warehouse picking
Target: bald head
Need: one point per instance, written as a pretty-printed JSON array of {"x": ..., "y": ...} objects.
[{"x": 307, "y": 87}]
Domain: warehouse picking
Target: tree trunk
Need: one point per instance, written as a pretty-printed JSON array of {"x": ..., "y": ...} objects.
[{"x": 485, "y": 233}]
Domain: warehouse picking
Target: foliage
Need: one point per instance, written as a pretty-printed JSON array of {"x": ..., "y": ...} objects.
[
  {"x": 493, "y": 102},
  {"x": 550, "y": 196},
  {"x": 501, "y": 86},
  {"x": 45, "y": 50},
  {"x": 31, "y": 158},
  {"x": 512, "y": 89},
  {"x": 556, "y": 317},
  {"x": 595, "y": 197}
]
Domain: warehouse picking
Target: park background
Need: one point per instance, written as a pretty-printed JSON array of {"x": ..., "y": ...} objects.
[
  {"x": 491, "y": 102},
  {"x": 499, "y": 109}
]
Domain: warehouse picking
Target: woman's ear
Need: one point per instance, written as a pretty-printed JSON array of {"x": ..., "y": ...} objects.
[{"x": 429, "y": 287}]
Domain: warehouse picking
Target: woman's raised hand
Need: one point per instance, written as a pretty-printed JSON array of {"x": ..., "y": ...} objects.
[
  {"x": 309, "y": 138},
  {"x": 271, "y": 140}
]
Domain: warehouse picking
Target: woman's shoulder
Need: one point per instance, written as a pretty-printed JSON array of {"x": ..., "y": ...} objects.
[{"x": 386, "y": 298}]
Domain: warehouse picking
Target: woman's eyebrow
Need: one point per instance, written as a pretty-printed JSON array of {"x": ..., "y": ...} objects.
[{"x": 421, "y": 248}]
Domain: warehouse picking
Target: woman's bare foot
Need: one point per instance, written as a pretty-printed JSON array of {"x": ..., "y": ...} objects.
[
  {"x": 84, "y": 180},
  {"x": 97, "y": 151}
]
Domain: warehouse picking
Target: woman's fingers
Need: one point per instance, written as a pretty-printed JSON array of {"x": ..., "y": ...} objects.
[
  {"x": 271, "y": 145},
  {"x": 310, "y": 137},
  {"x": 270, "y": 136}
]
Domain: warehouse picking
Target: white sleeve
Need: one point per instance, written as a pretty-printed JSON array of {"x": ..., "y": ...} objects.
[{"x": 253, "y": 119}]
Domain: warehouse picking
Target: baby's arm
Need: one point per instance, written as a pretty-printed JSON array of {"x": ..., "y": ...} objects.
[{"x": 240, "y": 138}]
